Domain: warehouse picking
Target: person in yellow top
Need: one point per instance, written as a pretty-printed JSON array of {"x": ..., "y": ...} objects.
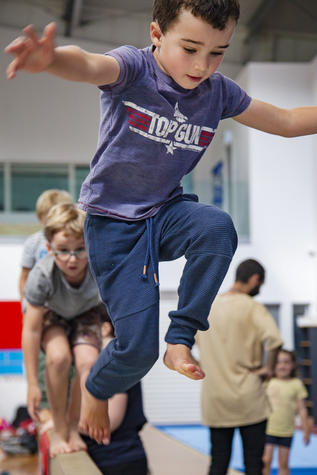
[{"x": 286, "y": 395}]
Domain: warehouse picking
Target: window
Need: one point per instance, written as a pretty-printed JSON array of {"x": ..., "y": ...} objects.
[
  {"x": 274, "y": 309},
  {"x": 187, "y": 183},
  {"x": 80, "y": 175},
  {"x": 231, "y": 193},
  {"x": 29, "y": 181},
  {"x": 299, "y": 310}
]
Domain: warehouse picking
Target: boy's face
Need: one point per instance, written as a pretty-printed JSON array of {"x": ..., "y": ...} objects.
[
  {"x": 72, "y": 266},
  {"x": 191, "y": 50}
]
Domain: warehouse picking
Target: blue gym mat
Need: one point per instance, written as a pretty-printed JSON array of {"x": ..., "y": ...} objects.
[{"x": 303, "y": 459}]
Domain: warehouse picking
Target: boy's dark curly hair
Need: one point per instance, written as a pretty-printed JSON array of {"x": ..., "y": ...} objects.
[{"x": 215, "y": 12}]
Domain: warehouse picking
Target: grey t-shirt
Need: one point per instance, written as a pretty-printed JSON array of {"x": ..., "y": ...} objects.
[
  {"x": 46, "y": 285},
  {"x": 33, "y": 250}
]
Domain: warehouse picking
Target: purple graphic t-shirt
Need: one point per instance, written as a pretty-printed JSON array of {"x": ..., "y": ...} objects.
[{"x": 152, "y": 133}]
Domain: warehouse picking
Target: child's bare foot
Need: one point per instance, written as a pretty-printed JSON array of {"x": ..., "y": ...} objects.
[
  {"x": 75, "y": 442},
  {"x": 179, "y": 358},
  {"x": 94, "y": 419},
  {"x": 58, "y": 444}
]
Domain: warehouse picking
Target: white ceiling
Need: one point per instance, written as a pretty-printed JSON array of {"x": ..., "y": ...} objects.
[{"x": 269, "y": 30}]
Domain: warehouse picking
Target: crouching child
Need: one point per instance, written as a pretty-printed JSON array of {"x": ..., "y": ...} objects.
[{"x": 63, "y": 318}]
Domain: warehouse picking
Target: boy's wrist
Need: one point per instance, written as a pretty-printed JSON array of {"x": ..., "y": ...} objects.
[
  {"x": 33, "y": 382},
  {"x": 51, "y": 63}
]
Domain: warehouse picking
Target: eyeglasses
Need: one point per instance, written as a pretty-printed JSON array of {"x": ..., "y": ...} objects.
[{"x": 65, "y": 255}]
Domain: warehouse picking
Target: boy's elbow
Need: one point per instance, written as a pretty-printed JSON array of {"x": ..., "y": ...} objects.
[
  {"x": 289, "y": 132},
  {"x": 292, "y": 124},
  {"x": 288, "y": 126}
]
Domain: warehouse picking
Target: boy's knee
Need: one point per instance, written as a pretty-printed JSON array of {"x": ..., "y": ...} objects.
[
  {"x": 218, "y": 229},
  {"x": 221, "y": 221},
  {"x": 59, "y": 361},
  {"x": 144, "y": 358}
]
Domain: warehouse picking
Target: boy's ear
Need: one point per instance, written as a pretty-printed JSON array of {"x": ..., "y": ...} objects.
[
  {"x": 48, "y": 247},
  {"x": 156, "y": 34}
]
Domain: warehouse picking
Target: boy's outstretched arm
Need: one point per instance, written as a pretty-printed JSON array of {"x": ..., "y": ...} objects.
[
  {"x": 38, "y": 54},
  {"x": 31, "y": 339},
  {"x": 274, "y": 120}
]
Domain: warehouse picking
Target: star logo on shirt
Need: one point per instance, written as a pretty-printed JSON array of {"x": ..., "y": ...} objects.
[
  {"x": 178, "y": 115},
  {"x": 170, "y": 148}
]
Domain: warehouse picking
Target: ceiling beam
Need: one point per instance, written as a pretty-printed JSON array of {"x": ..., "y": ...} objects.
[
  {"x": 72, "y": 15},
  {"x": 256, "y": 20}
]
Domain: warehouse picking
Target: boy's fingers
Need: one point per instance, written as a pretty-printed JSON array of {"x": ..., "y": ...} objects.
[
  {"x": 16, "y": 64},
  {"x": 49, "y": 31},
  {"x": 16, "y": 46},
  {"x": 10, "y": 72},
  {"x": 30, "y": 33},
  {"x": 32, "y": 412},
  {"x": 36, "y": 416},
  {"x": 12, "y": 69}
]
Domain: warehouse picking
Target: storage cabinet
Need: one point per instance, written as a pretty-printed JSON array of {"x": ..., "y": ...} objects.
[{"x": 307, "y": 364}]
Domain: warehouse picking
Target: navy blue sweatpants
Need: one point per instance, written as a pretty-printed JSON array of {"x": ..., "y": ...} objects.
[{"x": 124, "y": 260}]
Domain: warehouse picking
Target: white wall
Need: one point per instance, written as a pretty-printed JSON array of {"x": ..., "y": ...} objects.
[
  {"x": 282, "y": 175},
  {"x": 44, "y": 119}
]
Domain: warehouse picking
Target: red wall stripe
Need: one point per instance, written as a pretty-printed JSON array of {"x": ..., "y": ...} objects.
[{"x": 10, "y": 325}]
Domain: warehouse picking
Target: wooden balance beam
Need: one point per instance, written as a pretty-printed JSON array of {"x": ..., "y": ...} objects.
[{"x": 78, "y": 463}]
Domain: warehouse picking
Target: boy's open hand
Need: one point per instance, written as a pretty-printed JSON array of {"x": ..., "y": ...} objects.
[
  {"x": 32, "y": 53},
  {"x": 34, "y": 399}
]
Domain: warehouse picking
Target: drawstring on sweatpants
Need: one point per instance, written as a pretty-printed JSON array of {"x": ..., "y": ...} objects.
[{"x": 150, "y": 254}]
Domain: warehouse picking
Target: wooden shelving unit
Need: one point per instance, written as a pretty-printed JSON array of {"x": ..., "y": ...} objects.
[{"x": 307, "y": 363}]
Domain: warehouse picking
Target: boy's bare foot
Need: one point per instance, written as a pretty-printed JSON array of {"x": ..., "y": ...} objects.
[
  {"x": 94, "y": 419},
  {"x": 179, "y": 358},
  {"x": 75, "y": 442},
  {"x": 58, "y": 444}
]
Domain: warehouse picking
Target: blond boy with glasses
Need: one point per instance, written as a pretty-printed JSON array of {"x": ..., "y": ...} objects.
[{"x": 63, "y": 318}]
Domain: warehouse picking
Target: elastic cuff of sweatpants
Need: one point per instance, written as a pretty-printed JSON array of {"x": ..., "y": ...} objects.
[
  {"x": 180, "y": 335},
  {"x": 92, "y": 388}
]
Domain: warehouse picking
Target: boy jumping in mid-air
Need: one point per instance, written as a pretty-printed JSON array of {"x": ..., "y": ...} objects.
[{"x": 160, "y": 108}]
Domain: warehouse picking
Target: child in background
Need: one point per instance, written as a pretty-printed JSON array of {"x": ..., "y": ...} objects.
[
  {"x": 160, "y": 109},
  {"x": 125, "y": 454},
  {"x": 35, "y": 246},
  {"x": 287, "y": 396},
  {"x": 63, "y": 319}
]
